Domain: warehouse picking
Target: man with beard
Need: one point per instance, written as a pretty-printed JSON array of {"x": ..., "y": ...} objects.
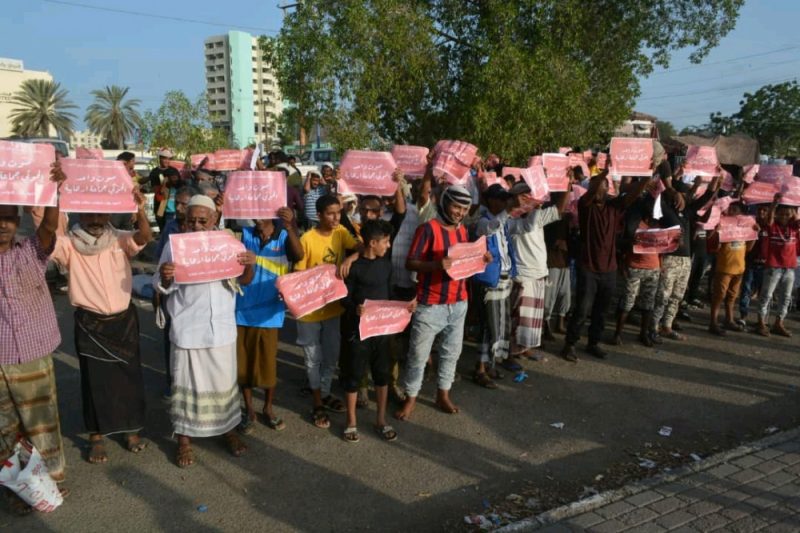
[{"x": 106, "y": 325}]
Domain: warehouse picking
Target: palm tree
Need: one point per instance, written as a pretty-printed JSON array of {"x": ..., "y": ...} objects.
[
  {"x": 111, "y": 116},
  {"x": 42, "y": 105}
]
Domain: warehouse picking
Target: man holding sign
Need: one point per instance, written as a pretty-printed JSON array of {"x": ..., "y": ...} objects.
[
  {"x": 205, "y": 395},
  {"x": 28, "y": 334},
  {"x": 107, "y": 326},
  {"x": 442, "y": 300}
]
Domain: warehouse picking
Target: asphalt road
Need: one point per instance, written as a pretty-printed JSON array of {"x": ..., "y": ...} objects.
[{"x": 711, "y": 391}]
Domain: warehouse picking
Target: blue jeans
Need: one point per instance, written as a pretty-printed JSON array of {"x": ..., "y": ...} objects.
[
  {"x": 753, "y": 276},
  {"x": 320, "y": 343},
  {"x": 446, "y": 321}
]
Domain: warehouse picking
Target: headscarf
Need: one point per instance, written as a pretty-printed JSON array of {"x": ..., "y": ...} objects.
[{"x": 454, "y": 194}]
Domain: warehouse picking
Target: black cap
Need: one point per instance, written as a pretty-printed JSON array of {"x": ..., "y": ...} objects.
[{"x": 496, "y": 191}]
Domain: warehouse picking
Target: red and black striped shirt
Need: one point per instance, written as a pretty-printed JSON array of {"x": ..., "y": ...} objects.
[{"x": 431, "y": 242}]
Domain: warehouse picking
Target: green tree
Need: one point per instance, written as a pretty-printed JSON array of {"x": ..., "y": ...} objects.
[
  {"x": 112, "y": 116},
  {"x": 184, "y": 126},
  {"x": 510, "y": 76},
  {"x": 42, "y": 105},
  {"x": 665, "y": 129},
  {"x": 771, "y": 115}
]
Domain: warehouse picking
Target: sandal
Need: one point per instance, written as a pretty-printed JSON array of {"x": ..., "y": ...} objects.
[
  {"x": 320, "y": 418},
  {"x": 245, "y": 427},
  {"x": 672, "y": 335},
  {"x": 276, "y": 423},
  {"x": 135, "y": 444},
  {"x": 733, "y": 326},
  {"x": 97, "y": 452},
  {"x": 333, "y": 404},
  {"x": 351, "y": 435},
  {"x": 185, "y": 456},
  {"x": 387, "y": 433},
  {"x": 483, "y": 379},
  {"x": 235, "y": 444}
]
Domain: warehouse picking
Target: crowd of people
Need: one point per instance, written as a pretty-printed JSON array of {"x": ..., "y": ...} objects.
[{"x": 549, "y": 266}]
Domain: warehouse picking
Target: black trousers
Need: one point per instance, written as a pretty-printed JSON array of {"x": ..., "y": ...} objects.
[{"x": 594, "y": 295}]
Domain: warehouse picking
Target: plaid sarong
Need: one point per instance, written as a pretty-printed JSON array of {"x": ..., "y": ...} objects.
[{"x": 527, "y": 314}]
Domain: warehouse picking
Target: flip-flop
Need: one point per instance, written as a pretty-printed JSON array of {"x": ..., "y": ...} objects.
[
  {"x": 235, "y": 445},
  {"x": 276, "y": 423},
  {"x": 245, "y": 427},
  {"x": 387, "y": 433},
  {"x": 97, "y": 453},
  {"x": 185, "y": 456},
  {"x": 320, "y": 418},
  {"x": 351, "y": 435},
  {"x": 483, "y": 379},
  {"x": 334, "y": 405},
  {"x": 136, "y": 447}
]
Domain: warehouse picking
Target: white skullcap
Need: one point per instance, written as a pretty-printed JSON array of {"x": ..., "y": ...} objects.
[{"x": 201, "y": 200}]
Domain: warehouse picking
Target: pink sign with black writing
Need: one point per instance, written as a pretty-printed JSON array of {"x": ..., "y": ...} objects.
[
  {"x": 25, "y": 174},
  {"x": 207, "y": 160},
  {"x": 773, "y": 173},
  {"x": 467, "y": 259},
  {"x": 576, "y": 160},
  {"x": 761, "y": 192},
  {"x": 225, "y": 160},
  {"x": 536, "y": 179},
  {"x": 253, "y": 194},
  {"x": 701, "y": 160},
  {"x": 738, "y": 228},
  {"x": 452, "y": 160},
  {"x": 309, "y": 290},
  {"x": 88, "y": 153},
  {"x": 556, "y": 167},
  {"x": 383, "y": 317},
  {"x": 412, "y": 160},
  {"x": 490, "y": 178},
  {"x": 205, "y": 256},
  {"x": 657, "y": 240},
  {"x": 94, "y": 186},
  {"x": 365, "y": 172},
  {"x": 790, "y": 191},
  {"x": 632, "y": 156}
]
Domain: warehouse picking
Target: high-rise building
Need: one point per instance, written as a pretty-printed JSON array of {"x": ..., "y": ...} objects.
[
  {"x": 243, "y": 94},
  {"x": 12, "y": 74}
]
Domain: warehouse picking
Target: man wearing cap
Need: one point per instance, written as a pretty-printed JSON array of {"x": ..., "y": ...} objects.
[
  {"x": 97, "y": 256},
  {"x": 205, "y": 394},
  {"x": 155, "y": 178},
  {"x": 442, "y": 301},
  {"x": 313, "y": 190},
  {"x": 527, "y": 294},
  {"x": 28, "y": 334}
]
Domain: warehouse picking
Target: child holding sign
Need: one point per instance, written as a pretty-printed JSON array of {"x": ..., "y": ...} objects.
[{"x": 369, "y": 278}]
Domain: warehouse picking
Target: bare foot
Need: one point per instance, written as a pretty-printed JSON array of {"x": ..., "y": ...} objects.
[
  {"x": 235, "y": 444},
  {"x": 444, "y": 404},
  {"x": 97, "y": 451},
  {"x": 407, "y": 409},
  {"x": 135, "y": 443}
]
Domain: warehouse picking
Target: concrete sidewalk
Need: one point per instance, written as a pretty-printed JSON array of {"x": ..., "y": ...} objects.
[{"x": 752, "y": 488}]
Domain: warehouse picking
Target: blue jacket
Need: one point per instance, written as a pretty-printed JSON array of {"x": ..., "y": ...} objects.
[{"x": 491, "y": 276}]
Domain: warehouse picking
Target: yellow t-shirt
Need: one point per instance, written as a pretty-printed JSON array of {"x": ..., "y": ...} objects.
[
  {"x": 731, "y": 257},
  {"x": 321, "y": 249}
]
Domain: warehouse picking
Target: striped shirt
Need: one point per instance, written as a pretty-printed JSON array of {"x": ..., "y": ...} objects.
[
  {"x": 431, "y": 242},
  {"x": 259, "y": 305},
  {"x": 28, "y": 327},
  {"x": 310, "y": 200}
]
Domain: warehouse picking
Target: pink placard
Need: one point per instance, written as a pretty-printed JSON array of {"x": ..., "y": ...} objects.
[
  {"x": 383, "y": 317},
  {"x": 254, "y": 194},
  {"x": 556, "y": 167},
  {"x": 535, "y": 160},
  {"x": 717, "y": 206},
  {"x": 738, "y": 228},
  {"x": 89, "y": 153},
  {"x": 728, "y": 184},
  {"x": 364, "y": 172},
  {"x": 412, "y": 160},
  {"x": 564, "y": 150},
  {"x": 225, "y": 160},
  {"x": 537, "y": 181},
  {"x": 790, "y": 191},
  {"x": 701, "y": 161},
  {"x": 205, "y": 256},
  {"x": 774, "y": 173},
  {"x": 452, "y": 160},
  {"x": 574, "y": 196},
  {"x": 602, "y": 160},
  {"x": 490, "y": 178},
  {"x": 94, "y": 186},
  {"x": 713, "y": 219},
  {"x": 657, "y": 240},
  {"x": 632, "y": 156},
  {"x": 513, "y": 171},
  {"x": 761, "y": 192},
  {"x": 467, "y": 258},
  {"x": 206, "y": 159},
  {"x": 309, "y": 290},
  {"x": 749, "y": 173},
  {"x": 25, "y": 174},
  {"x": 177, "y": 164},
  {"x": 576, "y": 160}
]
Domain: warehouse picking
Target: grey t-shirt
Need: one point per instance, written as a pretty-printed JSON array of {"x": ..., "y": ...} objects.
[{"x": 527, "y": 235}]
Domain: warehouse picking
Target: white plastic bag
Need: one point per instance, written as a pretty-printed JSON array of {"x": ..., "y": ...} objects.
[{"x": 26, "y": 474}]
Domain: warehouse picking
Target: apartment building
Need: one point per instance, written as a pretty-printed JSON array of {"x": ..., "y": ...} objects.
[
  {"x": 12, "y": 74},
  {"x": 243, "y": 94},
  {"x": 84, "y": 139}
]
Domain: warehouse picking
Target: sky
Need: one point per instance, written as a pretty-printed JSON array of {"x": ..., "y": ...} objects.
[{"x": 86, "y": 48}]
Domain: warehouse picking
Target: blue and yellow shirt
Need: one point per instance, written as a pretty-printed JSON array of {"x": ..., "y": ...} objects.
[{"x": 260, "y": 306}]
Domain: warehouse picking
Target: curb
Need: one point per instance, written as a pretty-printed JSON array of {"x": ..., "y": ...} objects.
[{"x": 584, "y": 506}]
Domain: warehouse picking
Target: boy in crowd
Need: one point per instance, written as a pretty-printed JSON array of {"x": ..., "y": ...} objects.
[
  {"x": 754, "y": 265},
  {"x": 369, "y": 278},
  {"x": 779, "y": 250},
  {"x": 319, "y": 332},
  {"x": 313, "y": 190},
  {"x": 728, "y": 273}
]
